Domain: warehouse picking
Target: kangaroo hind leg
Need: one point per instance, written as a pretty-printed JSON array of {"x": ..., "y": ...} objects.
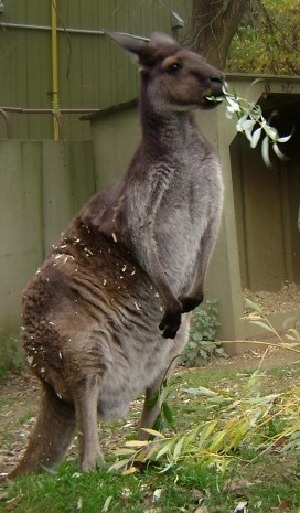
[
  {"x": 86, "y": 399},
  {"x": 52, "y": 434},
  {"x": 153, "y": 400}
]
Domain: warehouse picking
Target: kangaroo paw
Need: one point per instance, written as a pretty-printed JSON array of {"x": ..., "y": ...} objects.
[{"x": 170, "y": 324}]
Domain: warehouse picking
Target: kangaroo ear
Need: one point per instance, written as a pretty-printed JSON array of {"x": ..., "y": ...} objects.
[
  {"x": 130, "y": 43},
  {"x": 162, "y": 40},
  {"x": 148, "y": 51}
]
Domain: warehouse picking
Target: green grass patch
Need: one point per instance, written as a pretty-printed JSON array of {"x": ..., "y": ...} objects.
[
  {"x": 181, "y": 490},
  {"x": 268, "y": 480},
  {"x": 11, "y": 352}
]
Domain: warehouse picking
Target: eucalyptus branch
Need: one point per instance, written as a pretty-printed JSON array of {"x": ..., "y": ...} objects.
[{"x": 254, "y": 125}]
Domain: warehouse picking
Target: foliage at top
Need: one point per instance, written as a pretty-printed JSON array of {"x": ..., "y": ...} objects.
[{"x": 268, "y": 39}]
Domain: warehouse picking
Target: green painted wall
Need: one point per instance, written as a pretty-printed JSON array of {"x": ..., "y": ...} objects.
[
  {"x": 93, "y": 72},
  {"x": 42, "y": 185},
  {"x": 116, "y": 138}
]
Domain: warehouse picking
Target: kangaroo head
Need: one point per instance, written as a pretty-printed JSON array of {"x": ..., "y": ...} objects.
[{"x": 176, "y": 79}]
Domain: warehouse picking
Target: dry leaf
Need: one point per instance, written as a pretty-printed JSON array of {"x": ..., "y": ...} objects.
[
  {"x": 13, "y": 502},
  {"x": 198, "y": 496},
  {"x": 156, "y": 495},
  {"x": 237, "y": 486},
  {"x": 79, "y": 504},
  {"x": 131, "y": 470},
  {"x": 202, "y": 509},
  {"x": 107, "y": 504},
  {"x": 285, "y": 504},
  {"x": 241, "y": 507}
]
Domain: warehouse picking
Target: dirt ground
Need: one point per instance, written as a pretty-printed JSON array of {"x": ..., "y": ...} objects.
[
  {"x": 19, "y": 397},
  {"x": 250, "y": 361},
  {"x": 286, "y": 298}
]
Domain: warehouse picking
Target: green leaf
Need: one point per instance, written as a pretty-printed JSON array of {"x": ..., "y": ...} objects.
[
  {"x": 200, "y": 391},
  {"x": 207, "y": 431},
  {"x": 265, "y": 151},
  {"x": 253, "y": 305},
  {"x": 163, "y": 450},
  {"x": 255, "y": 137},
  {"x": 158, "y": 424},
  {"x": 118, "y": 465},
  {"x": 124, "y": 452},
  {"x": 168, "y": 414},
  {"x": 154, "y": 399},
  {"x": 219, "y": 400},
  {"x": 262, "y": 324},
  {"x": 152, "y": 432},
  {"x": 137, "y": 444},
  {"x": 178, "y": 448},
  {"x": 216, "y": 443}
]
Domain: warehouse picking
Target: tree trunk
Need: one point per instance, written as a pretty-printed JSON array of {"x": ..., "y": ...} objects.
[{"x": 214, "y": 24}]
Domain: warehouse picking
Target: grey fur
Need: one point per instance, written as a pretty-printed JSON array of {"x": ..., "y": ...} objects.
[{"x": 100, "y": 315}]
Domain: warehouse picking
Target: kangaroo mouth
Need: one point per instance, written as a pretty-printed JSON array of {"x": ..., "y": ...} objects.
[{"x": 211, "y": 100}]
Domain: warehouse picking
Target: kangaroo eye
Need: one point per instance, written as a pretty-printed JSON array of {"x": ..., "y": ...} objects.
[{"x": 174, "y": 67}]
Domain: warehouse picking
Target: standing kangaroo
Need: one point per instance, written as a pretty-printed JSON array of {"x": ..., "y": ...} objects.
[{"x": 100, "y": 315}]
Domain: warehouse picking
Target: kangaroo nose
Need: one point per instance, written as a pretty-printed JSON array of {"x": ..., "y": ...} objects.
[{"x": 218, "y": 79}]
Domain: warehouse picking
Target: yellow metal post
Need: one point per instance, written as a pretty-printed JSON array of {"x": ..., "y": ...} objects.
[{"x": 55, "y": 102}]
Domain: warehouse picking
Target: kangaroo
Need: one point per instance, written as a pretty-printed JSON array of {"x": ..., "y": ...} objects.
[{"x": 108, "y": 312}]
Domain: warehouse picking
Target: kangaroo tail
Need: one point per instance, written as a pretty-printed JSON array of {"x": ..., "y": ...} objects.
[{"x": 52, "y": 434}]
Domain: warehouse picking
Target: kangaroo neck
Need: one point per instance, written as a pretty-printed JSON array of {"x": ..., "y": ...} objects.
[{"x": 165, "y": 132}]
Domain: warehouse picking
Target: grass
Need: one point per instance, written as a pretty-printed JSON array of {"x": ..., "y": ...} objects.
[
  {"x": 269, "y": 483},
  {"x": 181, "y": 489},
  {"x": 11, "y": 354},
  {"x": 69, "y": 492}
]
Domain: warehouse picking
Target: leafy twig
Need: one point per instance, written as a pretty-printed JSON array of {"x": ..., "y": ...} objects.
[{"x": 253, "y": 125}]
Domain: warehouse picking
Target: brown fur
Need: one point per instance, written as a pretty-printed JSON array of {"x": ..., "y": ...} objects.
[{"x": 100, "y": 316}]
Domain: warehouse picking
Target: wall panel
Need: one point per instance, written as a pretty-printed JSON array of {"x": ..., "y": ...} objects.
[
  {"x": 93, "y": 72},
  {"x": 42, "y": 185}
]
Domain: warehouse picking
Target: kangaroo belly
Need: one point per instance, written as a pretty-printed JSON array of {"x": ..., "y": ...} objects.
[
  {"x": 82, "y": 319},
  {"x": 122, "y": 382}
]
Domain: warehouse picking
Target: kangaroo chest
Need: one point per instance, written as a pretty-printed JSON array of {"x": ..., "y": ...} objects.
[{"x": 174, "y": 208}]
